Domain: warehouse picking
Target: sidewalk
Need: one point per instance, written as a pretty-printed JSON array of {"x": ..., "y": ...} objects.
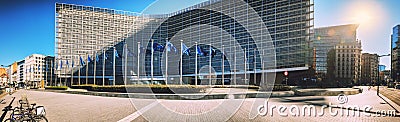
[
  {"x": 391, "y": 96},
  {"x": 367, "y": 98}
]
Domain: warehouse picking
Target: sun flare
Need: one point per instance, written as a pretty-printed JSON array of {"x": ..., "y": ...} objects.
[
  {"x": 362, "y": 17},
  {"x": 368, "y": 14}
]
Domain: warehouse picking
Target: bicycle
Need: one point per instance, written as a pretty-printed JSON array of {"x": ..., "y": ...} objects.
[
  {"x": 38, "y": 113},
  {"x": 32, "y": 113},
  {"x": 16, "y": 116}
]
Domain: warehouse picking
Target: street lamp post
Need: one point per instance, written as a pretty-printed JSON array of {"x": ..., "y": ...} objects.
[{"x": 378, "y": 82}]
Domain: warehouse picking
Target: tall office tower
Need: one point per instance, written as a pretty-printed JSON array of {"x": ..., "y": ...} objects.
[
  {"x": 395, "y": 48},
  {"x": 85, "y": 31}
]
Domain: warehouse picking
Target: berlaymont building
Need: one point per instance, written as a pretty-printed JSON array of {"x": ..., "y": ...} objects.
[{"x": 216, "y": 42}]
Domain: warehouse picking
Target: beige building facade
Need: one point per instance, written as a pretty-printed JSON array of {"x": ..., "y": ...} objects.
[
  {"x": 348, "y": 58},
  {"x": 369, "y": 68}
]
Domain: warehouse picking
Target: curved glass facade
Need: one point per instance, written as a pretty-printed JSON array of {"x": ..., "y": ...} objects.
[{"x": 239, "y": 39}]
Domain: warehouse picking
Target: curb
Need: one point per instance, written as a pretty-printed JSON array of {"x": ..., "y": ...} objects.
[
  {"x": 180, "y": 96},
  {"x": 206, "y": 96}
]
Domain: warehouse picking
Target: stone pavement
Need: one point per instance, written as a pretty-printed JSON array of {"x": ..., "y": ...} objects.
[
  {"x": 75, "y": 108},
  {"x": 221, "y": 110}
]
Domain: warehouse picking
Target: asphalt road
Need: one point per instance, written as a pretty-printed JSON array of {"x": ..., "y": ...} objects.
[
  {"x": 391, "y": 93},
  {"x": 62, "y": 107}
]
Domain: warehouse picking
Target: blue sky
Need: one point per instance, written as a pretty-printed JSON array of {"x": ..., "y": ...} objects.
[{"x": 27, "y": 26}]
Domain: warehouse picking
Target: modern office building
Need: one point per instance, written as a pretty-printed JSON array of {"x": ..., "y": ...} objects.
[
  {"x": 84, "y": 31},
  {"x": 395, "y": 48},
  {"x": 49, "y": 72},
  {"x": 325, "y": 39},
  {"x": 369, "y": 68},
  {"x": 237, "y": 40}
]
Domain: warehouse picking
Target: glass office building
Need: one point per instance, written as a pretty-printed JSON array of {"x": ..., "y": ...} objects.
[
  {"x": 395, "y": 53},
  {"x": 325, "y": 39},
  {"x": 233, "y": 41}
]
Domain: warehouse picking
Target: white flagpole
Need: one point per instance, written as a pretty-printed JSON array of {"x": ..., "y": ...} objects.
[
  {"x": 32, "y": 75},
  {"x": 234, "y": 67},
  {"x": 209, "y": 64},
  {"x": 51, "y": 73},
  {"x": 87, "y": 68},
  {"x": 72, "y": 72},
  {"x": 41, "y": 72},
  {"x": 255, "y": 66},
  {"x": 262, "y": 70},
  {"x": 104, "y": 64},
  {"x": 94, "y": 68},
  {"x": 245, "y": 65},
  {"x": 79, "y": 70},
  {"x": 166, "y": 61},
  {"x": 60, "y": 72},
  {"x": 65, "y": 73},
  {"x": 47, "y": 68},
  {"x": 55, "y": 71},
  {"x": 138, "y": 61},
  {"x": 195, "y": 66},
  {"x": 126, "y": 63},
  {"x": 223, "y": 66},
  {"x": 152, "y": 55},
  {"x": 114, "y": 66},
  {"x": 180, "y": 73}
]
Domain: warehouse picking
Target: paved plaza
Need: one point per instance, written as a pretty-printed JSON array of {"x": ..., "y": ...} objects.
[{"x": 72, "y": 107}]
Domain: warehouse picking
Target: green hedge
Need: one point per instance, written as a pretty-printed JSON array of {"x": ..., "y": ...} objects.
[
  {"x": 87, "y": 87},
  {"x": 240, "y": 86},
  {"x": 169, "y": 89},
  {"x": 281, "y": 87},
  {"x": 57, "y": 87},
  {"x": 277, "y": 87}
]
